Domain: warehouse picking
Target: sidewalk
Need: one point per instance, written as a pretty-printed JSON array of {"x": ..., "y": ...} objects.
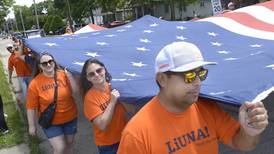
[{"x": 19, "y": 149}]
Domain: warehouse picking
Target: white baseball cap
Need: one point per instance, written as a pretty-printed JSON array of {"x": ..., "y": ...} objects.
[
  {"x": 230, "y": 4},
  {"x": 179, "y": 57},
  {"x": 9, "y": 45}
]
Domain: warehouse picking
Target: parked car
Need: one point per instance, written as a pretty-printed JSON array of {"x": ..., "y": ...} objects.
[
  {"x": 33, "y": 33},
  {"x": 114, "y": 24},
  {"x": 17, "y": 35}
]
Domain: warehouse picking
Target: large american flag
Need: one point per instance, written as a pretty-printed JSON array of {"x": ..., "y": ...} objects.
[{"x": 241, "y": 41}]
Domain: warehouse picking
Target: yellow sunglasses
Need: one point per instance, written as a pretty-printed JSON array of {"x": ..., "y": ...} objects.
[{"x": 190, "y": 76}]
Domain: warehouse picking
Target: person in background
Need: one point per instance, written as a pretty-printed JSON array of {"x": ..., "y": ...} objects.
[
  {"x": 68, "y": 31},
  {"x": 3, "y": 125},
  {"x": 176, "y": 120},
  {"x": 22, "y": 69},
  {"x": 29, "y": 57},
  {"x": 231, "y": 6},
  {"x": 40, "y": 94},
  {"x": 102, "y": 107}
]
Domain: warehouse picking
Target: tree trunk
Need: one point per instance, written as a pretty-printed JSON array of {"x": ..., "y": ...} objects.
[
  {"x": 91, "y": 15},
  {"x": 136, "y": 13},
  {"x": 172, "y": 10}
]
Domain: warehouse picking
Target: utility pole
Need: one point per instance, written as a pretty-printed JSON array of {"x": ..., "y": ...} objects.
[
  {"x": 35, "y": 10},
  {"x": 69, "y": 16},
  {"x": 23, "y": 25}
]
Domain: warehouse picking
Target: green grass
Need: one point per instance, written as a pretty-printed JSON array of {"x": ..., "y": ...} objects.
[{"x": 17, "y": 125}]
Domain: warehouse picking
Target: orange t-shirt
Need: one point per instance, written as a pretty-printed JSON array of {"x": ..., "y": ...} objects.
[
  {"x": 41, "y": 92},
  {"x": 196, "y": 131},
  {"x": 21, "y": 67},
  {"x": 94, "y": 104}
]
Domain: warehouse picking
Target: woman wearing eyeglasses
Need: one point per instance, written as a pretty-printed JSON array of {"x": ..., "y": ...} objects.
[
  {"x": 101, "y": 106},
  {"x": 41, "y": 94}
]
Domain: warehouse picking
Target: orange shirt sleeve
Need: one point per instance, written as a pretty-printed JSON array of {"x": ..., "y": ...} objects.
[
  {"x": 131, "y": 145},
  {"x": 91, "y": 106}
]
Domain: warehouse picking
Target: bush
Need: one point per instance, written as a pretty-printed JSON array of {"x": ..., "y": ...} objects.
[{"x": 53, "y": 23}]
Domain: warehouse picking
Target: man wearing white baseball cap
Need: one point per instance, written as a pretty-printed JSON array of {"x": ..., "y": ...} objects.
[
  {"x": 22, "y": 69},
  {"x": 177, "y": 121}
]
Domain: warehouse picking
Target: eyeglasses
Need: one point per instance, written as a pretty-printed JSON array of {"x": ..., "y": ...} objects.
[
  {"x": 98, "y": 71},
  {"x": 50, "y": 62},
  {"x": 190, "y": 76}
]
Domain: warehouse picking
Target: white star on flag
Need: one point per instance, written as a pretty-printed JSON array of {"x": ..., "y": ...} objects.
[
  {"x": 272, "y": 66},
  {"x": 110, "y": 35},
  {"x": 180, "y": 38},
  {"x": 51, "y": 44},
  {"x": 131, "y": 74},
  {"x": 223, "y": 52},
  {"x": 92, "y": 54},
  {"x": 228, "y": 59},
  {"x": 144, "y": 40},
  {"x": 153, "y": 25},
  {"x": 212, "y": 34},
  {"x": 139, "y": 64},
  {"x": 95, "y": 33},
  {"x": 83, "y": 37},
  {"x": 79, "y": 63},
  {"x": 217, "y": 93},
  {"x": 128, "y": 26},
  {"x": 221, "y": 92},
  {"x": 101, "y": 43},
  {"x": 121, "y": 30},
  {"x": 255, "y": 45},
  {"x": 119, "y": 79},
  {"x": 216, "y": 43},
  {"x": 181, "y": 27},
  {"x": 148, "y": 31},
  {"x": 256, "y": 53},
  {"x": 142, "y": 49}
]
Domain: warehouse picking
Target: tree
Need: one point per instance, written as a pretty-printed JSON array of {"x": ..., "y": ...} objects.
[
  {"x": 111, "y": 6},
  {"x": 4, "y": 10},
  {"x": 53, "y": 23},
  {"x": 181, "y": 4},
  {"x": 27, "y": 17},
  {"x": 143, "y": 4}
]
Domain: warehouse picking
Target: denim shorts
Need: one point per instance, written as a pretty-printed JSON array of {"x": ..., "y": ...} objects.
[
  {"x": 68, "y": 128},
  {"x": 108, "y": 149}
]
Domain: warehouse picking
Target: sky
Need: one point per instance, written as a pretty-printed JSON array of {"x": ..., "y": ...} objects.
[
  {"x": 23, "y": 2},
  {"x": 27, "y": 2}
]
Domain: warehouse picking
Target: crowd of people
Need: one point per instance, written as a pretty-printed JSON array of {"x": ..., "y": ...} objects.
[{"x": 176, "y": 120}]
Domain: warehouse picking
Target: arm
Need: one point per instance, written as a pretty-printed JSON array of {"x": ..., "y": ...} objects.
[
  {"x": 10, "y": 75},
  {"x": 104, "y": 119},
  {"x": 73, "y": 80},
  {"x": 253, "y": 119},
  {"x": 31, "y": 114}
]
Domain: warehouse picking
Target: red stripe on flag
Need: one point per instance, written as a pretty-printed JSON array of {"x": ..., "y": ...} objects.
[{"x": 249, "y": 21}]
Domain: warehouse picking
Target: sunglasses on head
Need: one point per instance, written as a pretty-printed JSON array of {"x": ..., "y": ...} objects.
[
  {"x": 97, "y": 71},
  {"x": 46, "y": 63},
  {"x": 190, "y": 76}
]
